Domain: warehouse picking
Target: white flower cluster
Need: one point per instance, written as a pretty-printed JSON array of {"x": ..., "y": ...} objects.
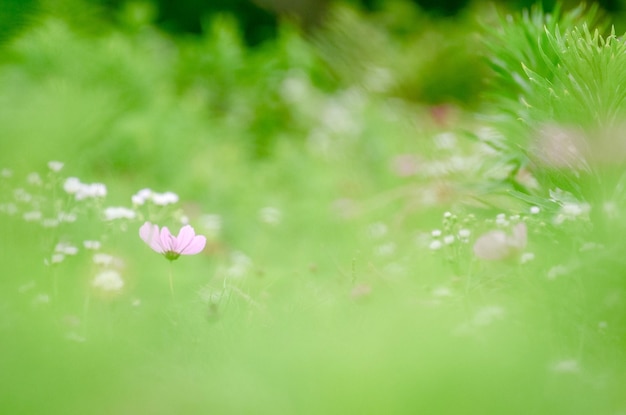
[
  {"x": 61, "y": 250},
  {"x": 270, "y": 215},
  {"x": 119, "y": 212},
  {"x": 83, "y": 191},
  {"x": 161, "y": 199},
  {"x": 108, "y": 280}
]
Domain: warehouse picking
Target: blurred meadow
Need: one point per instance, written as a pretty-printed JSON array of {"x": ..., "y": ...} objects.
[{"x": 409, "y": 207}]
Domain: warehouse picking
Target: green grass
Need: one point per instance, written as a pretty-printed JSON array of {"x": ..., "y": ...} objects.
[{"x": 341, "y": 304}]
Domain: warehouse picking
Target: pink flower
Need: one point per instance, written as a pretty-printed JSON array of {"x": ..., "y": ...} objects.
[
  {"x": 163, "y": 242},
  {"x": 498, "y": 245}
]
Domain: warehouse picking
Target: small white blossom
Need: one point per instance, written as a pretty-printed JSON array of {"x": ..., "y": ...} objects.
[
  {"x": 386, "y": 249},
  {"x": 164, "y": 199},
  {"x": 435, "y": 245},
  {"x": 442, "y": 292},
  {"x": 118, "y": 212},
  {"x": 566, "y": 366},
  {"x": 445, "y": 141},
  {"x": 32, "y": 216},
  {"x": 72, "y": 185},
  {"x": 66, "y": 248},
  {"x": 464, "y": 233},
  {"x": 50, "y": 223},
  {"x": 93, "y": 245},
  {"x": 212, "y": 223},
  {"x": 8, "y": 208},
  {"x": 488, "y": 315},
  {"x": 68, "y": 217},
  {"x": 92, "y": 190},
  {"x": 41, "y": 299},
  {"x": 270, "y": 215},
  {"x": 448, "y": 239},
  {"x": 108, "y": 280},
  {"x": 436, "y": 233},
  {"x": 26, "y": 287},
  {"x": 527, "y": 257},
  {"x": 377, "y": 230},
  {"x": 55, "y": 166},
  {"x": 22, "y": 195},
  {"x": 240, "y": 265},
  {"x": 141, "y": 196},
  {"x": 534, "y": 210},
  {"x": 501, "y": 220},
  {"x": 557, "y": 271},
  {"x": 34, "y": 179},
  {"x": 498, "y": 245},
  {"x": 55, "y": 259},
  {"x": 103, "y": 259}
]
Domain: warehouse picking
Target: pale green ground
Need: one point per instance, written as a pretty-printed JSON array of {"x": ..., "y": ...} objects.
[{"x": 328, "y": 314}]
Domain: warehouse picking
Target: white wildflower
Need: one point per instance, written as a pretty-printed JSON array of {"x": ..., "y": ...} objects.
[
  {"x": 68, "y": 217},
  {"x": 566, "y": 366},
  {"x": 93, "y": 245},
  {"x": 57, "y": 258},
  {"x": 557, "y": 271},
  {"x": 501, "y": 220},
  {"x": 487, "y": 315},
  {"x": 72, "y": 185},
  {"x": 435, "y": 245},
  {"x": 534, "y": 210},
  {"x": 50, "y": 223},
  {"x": 498, "y": 245},
  {"x": 442, "y": 292},
  {"x": 55, "y": 166},
  {"x": 527, "y": 257},
  {"x": 270, "y": 215},
  {"x": 32, "y": 216},
  {"x": 118, "y": 212},
  {"x": 66, "y": 248},
  {"x": 464, "y": 233},
  {"x": 141, "y": 196},
  {"x": 212, "y": 223},
  {"x": 92, "y": 190},
  {"x": 22, "y": 195},
  {"x": 41, "y": 299},
  {"x": 448, "y": 239},
  {"x": 34, "y": 179},
  {"x": 386, "y": 249},
  {"x": 445, "y": 141},
  {"x": 377, "y": 230},
  {"x": 108, "y": 280},
  {"x": 164, "y": 199},
  {"x": 103, "y": 259},
  {"x": 8, "y": 208}
]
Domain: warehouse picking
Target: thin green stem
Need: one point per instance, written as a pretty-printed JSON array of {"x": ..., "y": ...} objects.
[{"x": 171, "y": 280}]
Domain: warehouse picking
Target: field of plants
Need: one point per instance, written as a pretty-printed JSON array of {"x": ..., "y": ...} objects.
[{"x": 387, "y": 213}]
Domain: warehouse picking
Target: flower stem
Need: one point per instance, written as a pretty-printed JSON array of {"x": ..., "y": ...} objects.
[{"x": 171, "y": 281}]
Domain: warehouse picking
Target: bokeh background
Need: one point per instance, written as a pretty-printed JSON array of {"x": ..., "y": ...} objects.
[{"x": 320, "y": 145}]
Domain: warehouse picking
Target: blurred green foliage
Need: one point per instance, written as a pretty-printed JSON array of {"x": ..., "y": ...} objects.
[{"x": 353, "y": 132}]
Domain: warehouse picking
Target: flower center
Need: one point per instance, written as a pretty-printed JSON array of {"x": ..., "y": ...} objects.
[{"x": 171, "y": 255}]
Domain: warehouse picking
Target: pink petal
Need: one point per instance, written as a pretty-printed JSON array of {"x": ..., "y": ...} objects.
[
  {"x": 520, "y": 236},
  {"x": 149, "y": 233},
  {"x": 184, "y": 238},
  {"x": 167, "y": 240},
  {"x": 196, "y": 245},
  {"x": 492, "y": 246}
]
